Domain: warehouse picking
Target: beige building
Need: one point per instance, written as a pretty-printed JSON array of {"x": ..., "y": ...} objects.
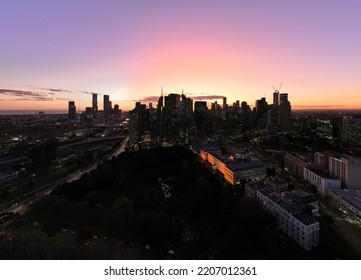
[
  {"x": 344, "y": 167},
  {"x": 234, "y": 170},
  {"x": 295, "y": 164}
]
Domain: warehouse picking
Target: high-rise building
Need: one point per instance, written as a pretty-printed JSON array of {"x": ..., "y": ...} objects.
[
  {"x": 95, "y": 103},
  {"x": 347, "y": 169},
  {"x": 172, "y": 104},
  {"x": 284, "y": 112},
  {"x": 339, "y": 127},
  {"x": 275, "y": 97},
  {"x": 117, "y": 111},
  {"x": 106, "y": 108},
  {"x": 201, "y": 117},
  {"x": 225, "y": 103},
  {"x": 186, "y": 107},
  {"x": 72, "y": 110},
  {"x": 137, "y": 123},
  {"x": 261, "y": 112}
]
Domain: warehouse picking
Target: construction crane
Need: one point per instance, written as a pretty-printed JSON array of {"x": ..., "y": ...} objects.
[{"x": 279, "y": 88}]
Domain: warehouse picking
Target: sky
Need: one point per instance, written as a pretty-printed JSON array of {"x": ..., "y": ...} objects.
[{"x": 52, "y": 52}]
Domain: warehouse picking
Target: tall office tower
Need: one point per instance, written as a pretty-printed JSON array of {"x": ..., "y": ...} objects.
[
  {"x": 72, "y": 110},
  {"x": 275, "y": 97},
  {"x": 117, "y": 111},
  {"x": 225, "y": 103},
  {"x": 172, "y": 103},
  {"x": 201, "y": 117},
  {"x": 106, "y": 108},
  {"x": 284, "y": 112},
  {"x": 172, "y": 116},
  {"x": 95, "y": 103},
  {"x": 272, "y": 117},
  {"x": 137, "y": 123},
  {"x": 261, "y": 112},
  {"x": 160, "y": 107},
  {"x": 186, "y": 107},
  {"x": 339, "y": 127}
]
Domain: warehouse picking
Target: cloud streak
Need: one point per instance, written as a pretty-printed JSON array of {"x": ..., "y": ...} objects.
[
  {"x": 89, "y": 92},
  {"x": 318, "y": 106},
  {"x": 52, "y": 90},
  {"x": 24, "y": 95},
  {"x": 207, "y": 97}
]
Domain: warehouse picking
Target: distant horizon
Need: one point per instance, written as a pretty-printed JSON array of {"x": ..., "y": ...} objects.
[{"x": 62, "y": 112}]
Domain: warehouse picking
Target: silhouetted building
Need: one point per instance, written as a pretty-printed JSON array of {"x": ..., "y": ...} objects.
[
  {"x": 137, "y": 123},
  {"x": 339, "y": 127},
  {"x": 260, "y": 113},
  {"x": 117, "y": 112},
  {"x": 284, "y": 112},
  {"x": 106, "y": 108},
  {"x": 225, "y": 106},
  {"x": 72, "y": 110},
  {"x": 95, "y": 103}
]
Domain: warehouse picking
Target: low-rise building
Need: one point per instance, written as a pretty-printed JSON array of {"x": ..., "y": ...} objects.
[
  {"x": 288, "y": 208},
  {"x": 251, "y": 188},
  {"x": 295, "y": 164},
  {"x": 324, "y": 182},
  {"x": 348, "y": 200},
  {"x": 276, "y": 184},
  {"x": 233, "y": 170}
]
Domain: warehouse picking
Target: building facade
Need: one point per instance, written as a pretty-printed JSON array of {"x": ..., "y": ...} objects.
[
  {"x": 233, "y": 170},
  {"x": 346, "y": 168},
  {"x": 323, "y": 181},
  {"x": 348, "y": 200},
  {"x": 71, "y": 110},
  {"x": 288, "y": 208},
  {"x": 295, "y": 164}
]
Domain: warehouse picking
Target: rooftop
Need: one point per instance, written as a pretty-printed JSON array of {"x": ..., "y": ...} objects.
[
  {"x": 235, "y": 164},
  {"x": 305, "y": 219},
  {"x": 258, "y": 185},
  {"x": 322, "y": 174},
  {"x": 293, "y": 202},
  {"x": 244, "y": 165},
  {"x": 277, "y": 180},
  {"x": 350, "y": 195}
]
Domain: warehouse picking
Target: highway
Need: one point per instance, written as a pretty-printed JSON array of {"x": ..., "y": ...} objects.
[{"x": 22, "y": 205}]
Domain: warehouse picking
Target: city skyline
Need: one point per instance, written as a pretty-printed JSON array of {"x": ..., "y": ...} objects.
[{"x": 55, "y": 53}]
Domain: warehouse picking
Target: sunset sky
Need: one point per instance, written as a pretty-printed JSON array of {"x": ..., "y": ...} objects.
[{"x": 55, "y": 51}]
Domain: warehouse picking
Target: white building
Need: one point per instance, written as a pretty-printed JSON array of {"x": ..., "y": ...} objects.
[
  {"x": 323, "y": 181},
  {"x": 288, "y": 208}
]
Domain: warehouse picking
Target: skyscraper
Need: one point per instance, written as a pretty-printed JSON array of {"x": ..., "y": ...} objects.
[
  {"x": 261, "y": 112},
  {"x": 284, "y": 112},
  {"x": 72, "y": 110},
  {"x": 225, "y": 103},
  {"x": 95, "y": 103},
  {"x": 106, "y": 108}
]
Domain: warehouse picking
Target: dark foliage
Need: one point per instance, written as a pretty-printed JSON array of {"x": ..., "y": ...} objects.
[{"x": 194, "y": 214}]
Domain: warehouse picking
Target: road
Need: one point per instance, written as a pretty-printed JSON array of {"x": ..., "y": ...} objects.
[{"x": 21, "y": 206}]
